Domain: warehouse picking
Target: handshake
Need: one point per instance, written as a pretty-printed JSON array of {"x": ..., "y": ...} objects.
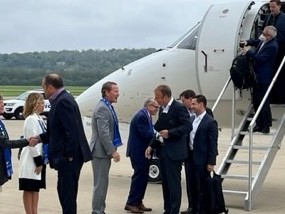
[{"x": 34, "y": 140}]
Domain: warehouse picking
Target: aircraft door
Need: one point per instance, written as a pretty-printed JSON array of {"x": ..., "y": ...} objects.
[{"x": 217, "y": 45}]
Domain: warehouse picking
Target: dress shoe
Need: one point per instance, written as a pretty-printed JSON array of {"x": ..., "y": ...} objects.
[
  {"x": 133, "y": 209},
  {"x": 188, "y": 211},
  {"x": 143, "y": 208},
  {"x": 256, "y": 129},
  {"x": 265, "y": 130}
]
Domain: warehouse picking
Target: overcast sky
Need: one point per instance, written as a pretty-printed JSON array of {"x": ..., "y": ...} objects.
[{"x": 45, "y": 25}]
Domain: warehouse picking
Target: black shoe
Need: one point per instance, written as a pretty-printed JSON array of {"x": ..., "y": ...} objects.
[
  {"x": 256, "y": 129},
  {"x": 265, "y": 130}
]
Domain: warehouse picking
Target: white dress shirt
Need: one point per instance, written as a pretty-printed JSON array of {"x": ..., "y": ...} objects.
[{"x": 195, "y": 125}]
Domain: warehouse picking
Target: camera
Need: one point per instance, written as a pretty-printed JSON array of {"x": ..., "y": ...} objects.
[{"x": 241, "y": 44}]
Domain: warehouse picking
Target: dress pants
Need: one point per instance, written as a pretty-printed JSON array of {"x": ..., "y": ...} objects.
[
  {"x": 265, "y": 118},
  {"x": 198, "y": 176},
  {"x": 187, "y": 176},
  {"x": 139, "y": 182},
  {"x": 101, "y": 168},
  {"x": 171, "y": 183},
  {"x": 67, "y": 184}
]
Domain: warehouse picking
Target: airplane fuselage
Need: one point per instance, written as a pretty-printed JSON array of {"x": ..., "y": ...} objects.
[{"x": 200, "y": 60}]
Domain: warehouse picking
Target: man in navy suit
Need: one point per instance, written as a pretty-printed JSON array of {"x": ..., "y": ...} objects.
[
  {"x": 68, "y": 146},
  {"x": 263, "y": 62},
  {"x": 173, "y": 126},
  {"x": 186, "y": 99},
  {"x": 140, "y": 135},
  {"x": 203, "y": 152}
]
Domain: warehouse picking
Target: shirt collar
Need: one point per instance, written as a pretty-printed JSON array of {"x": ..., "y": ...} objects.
[
  {"x": 191, "y": 113},
  {"x": 201, "y": 115},
  {"x": 55, "y": 94},
  {"x": 166, "y": 108}
]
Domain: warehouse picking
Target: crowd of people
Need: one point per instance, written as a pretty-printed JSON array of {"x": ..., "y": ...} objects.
[{"x": 62, "y": 144}]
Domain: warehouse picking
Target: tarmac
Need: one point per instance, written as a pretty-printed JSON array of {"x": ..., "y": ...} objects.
[{"x": 270, "y": 200}]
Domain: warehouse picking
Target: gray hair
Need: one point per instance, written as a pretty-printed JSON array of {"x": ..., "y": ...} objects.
[
  {"x": 272, "y": 30},
  {"x": 148, "y": 101}
]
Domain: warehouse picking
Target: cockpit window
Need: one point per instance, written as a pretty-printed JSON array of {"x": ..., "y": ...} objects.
[{"x": 190, "y": 41}]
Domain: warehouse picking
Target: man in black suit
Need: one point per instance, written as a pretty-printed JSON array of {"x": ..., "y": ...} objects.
[
  {"x": 203, "y": 146},
  {"x": 173, "y": 126},
  {"x": 276, "y": 18},
  {"x": 186, "y": 99},
  {"x": 68, "y": 146}
]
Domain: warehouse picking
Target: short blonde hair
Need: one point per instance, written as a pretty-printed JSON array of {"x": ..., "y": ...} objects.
[{"x": 31, "y": 103}]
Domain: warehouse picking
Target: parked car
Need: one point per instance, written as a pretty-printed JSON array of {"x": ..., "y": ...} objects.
[{"x": 14, "y": 107}]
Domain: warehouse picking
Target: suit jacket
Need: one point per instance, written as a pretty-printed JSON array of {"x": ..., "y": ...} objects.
[
  {"x": 65, "y": 133},
  {"x": 6, "y": 143},
  {"x": 263, "y": 59},
  {"x": 101, "y": 142},
  {"x": 140, "y": 135},
  {"x": 205, "y": 148},
  {"x": 177, "y": 122},
  {"x": 280, "y": 23},
  {"x": 210, "y": 112}
]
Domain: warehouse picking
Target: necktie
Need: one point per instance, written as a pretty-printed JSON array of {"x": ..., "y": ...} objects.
[{"x": 260, "y": 47}]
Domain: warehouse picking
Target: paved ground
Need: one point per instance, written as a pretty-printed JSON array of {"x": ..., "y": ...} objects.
[{"x": 270, "y": 200}]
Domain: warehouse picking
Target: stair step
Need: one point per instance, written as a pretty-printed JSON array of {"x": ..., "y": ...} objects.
[
  {"x": 271, "y": 133},
  {"x": 243, "y": 162},
  {"x": 254, "y": 147},
  {"x": 235, "y": 192},
  {"x": 237, "y": 177},
  {"x": 243, "y": 132}
]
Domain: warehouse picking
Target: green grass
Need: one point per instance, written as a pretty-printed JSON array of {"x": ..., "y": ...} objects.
[{"x": 13, "y": 91}]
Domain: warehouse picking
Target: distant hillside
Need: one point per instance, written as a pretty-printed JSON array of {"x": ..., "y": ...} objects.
[{"x": 80, "y": 68}]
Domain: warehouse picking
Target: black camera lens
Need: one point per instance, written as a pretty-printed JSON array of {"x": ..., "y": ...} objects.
[{"x": 241, "y": 45}]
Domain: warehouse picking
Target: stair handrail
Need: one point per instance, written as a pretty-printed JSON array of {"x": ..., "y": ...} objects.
[
  {"x": 250, "y": 128},
  {"x": 221, "y": 93}
]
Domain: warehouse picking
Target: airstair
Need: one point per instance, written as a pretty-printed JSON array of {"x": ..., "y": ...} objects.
[
  {"x": 246, "y": 158},
  {"x": 251, "y": 154}
]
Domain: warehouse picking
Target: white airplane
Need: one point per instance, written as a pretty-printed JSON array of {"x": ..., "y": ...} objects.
[{"x": 199, "y": 60}]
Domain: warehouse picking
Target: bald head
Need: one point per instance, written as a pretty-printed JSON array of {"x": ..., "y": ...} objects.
[
  {"x": 54, "y": 80},
  {"x": 51, "y": 83}
]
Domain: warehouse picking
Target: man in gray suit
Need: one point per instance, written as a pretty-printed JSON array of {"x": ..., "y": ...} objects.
[{"x": 104, "y": 142}]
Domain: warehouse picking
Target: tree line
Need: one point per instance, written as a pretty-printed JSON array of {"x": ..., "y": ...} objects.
[{"x": 78, "y": 68}]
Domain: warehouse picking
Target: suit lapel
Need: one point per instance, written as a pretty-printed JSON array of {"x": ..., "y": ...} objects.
[
  {"x": 201, "y": 123},
  {"x": 171, "y": 108}
]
